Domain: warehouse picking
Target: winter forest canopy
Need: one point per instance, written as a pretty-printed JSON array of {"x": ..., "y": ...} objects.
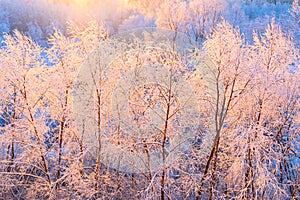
[{"x": 251, "y": 119}]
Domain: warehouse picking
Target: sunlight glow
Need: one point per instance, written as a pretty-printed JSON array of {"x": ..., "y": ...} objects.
[
  {"x": 88, "y": 3},
  {"x": 81, "y": 3}
]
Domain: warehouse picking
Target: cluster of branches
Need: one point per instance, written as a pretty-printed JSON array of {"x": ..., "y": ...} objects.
[
  {"x": 37, "y": 18},
  {"x": 255, "y": 152}
]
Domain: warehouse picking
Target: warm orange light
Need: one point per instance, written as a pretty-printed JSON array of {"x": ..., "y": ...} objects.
[
  {"x": 81, "y": 2},
  {"x": 85, "y": 3}
]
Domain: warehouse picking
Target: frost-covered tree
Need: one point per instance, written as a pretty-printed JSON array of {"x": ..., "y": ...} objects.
[
  {"x": 203, "y": 16},
  {"x": 172, "y": 15},
  {"x": 255, "y": 108},
  {"x": 25, "y": 169},
  {"x": 248, "y": 162},
  {"x": 227, "y": 50}
]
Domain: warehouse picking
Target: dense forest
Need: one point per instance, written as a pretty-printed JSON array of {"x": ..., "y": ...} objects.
[{"x": 220, "y": 78}]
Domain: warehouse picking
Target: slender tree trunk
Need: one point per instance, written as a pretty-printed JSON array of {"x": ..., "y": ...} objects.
[
  {"x": 212, "y": 183},
  {"x": 61, "y": 139},
  {"x": 36, "y": 133}
]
